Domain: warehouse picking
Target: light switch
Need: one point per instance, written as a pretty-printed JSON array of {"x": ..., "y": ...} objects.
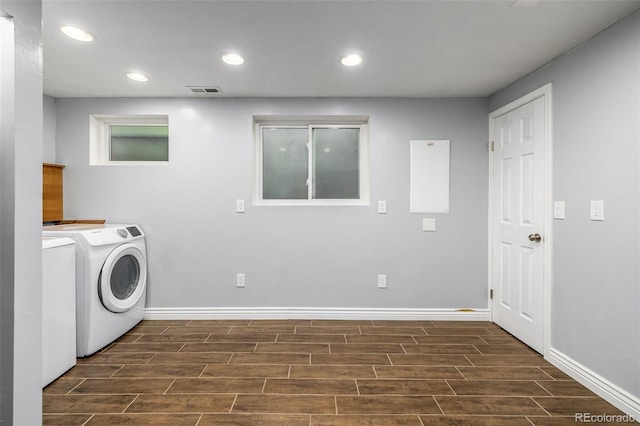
[
  {"x": 428, "y": 225},
  {"x": 240, "y": 279},
  {"x": 239, "y": 206},
  {"x": 382, "y": 281},
  {"x": 382, "y": 207},
  {"x": 558, "y": 209},
  {"x": 597, "y": 210}
]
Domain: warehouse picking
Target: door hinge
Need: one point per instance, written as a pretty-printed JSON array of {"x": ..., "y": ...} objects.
[
  {"x": 491, "y": 294},
  {"x": 491, "y": 147}
]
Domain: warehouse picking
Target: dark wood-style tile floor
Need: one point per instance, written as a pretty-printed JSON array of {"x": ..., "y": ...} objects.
[{"x": 318, "y": 373}]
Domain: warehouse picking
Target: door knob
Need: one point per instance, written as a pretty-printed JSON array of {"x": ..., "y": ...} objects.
[{"x": 536, "y": 238}]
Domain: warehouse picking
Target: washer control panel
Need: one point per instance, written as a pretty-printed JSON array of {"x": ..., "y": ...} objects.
[
  {"x": 112, "y": 234},
  {"x": 134, "y": 231}
]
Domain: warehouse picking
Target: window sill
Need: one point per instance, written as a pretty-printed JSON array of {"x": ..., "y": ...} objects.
[
  {"x": 311, "y": 203},
  {"x": 132, "y": 163}
]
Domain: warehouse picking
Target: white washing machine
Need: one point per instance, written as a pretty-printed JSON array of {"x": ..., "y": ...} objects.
[{"x": 111, "y": 281}]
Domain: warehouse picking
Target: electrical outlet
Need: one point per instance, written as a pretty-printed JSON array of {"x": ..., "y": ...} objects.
[
  {"x": 239, "y": 206},
  {"x": 240, "y": 280},
  {"x": 382, "y": 281},
  {"x": 382, "y": 207},
  {"x": 597, "y": 210}
]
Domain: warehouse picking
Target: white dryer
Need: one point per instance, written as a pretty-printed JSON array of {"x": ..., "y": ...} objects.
[
  {"x": 111, "y": 281},
  {"x": 58, "y": 307}
]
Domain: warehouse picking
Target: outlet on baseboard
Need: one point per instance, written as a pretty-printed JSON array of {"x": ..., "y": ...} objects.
[
  {"x": 240, "y": 280},
  {"x": 382, "y": 281}
]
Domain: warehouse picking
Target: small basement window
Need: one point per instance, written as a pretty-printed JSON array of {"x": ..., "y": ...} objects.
[
  {"x": 311, "y": 161},
  {"x": 129, "y": 140}
]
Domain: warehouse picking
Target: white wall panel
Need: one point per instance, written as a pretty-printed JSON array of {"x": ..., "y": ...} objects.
[{"x": 429, "y": 180}]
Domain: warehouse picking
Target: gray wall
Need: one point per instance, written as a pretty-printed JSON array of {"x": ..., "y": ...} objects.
[
  {"x": 20, "y": 224},
  {"x": 292, "y": 256},
  {"x": 596, "y": 290},
  {"x": 49, "y": 129}
]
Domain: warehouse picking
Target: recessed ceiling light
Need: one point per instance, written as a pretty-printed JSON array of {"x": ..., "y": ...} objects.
[
  {"x": 233, "y": 59},
  {"x": 76, "y": 33},
  {"x": 351, "y": 60},
  {"x": 136, "y": 76}
]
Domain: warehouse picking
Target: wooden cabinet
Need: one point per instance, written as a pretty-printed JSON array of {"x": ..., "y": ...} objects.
[{"x": 52, "y": 205}]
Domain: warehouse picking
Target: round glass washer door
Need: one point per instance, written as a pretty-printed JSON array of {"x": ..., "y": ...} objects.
[{"x": 123, "y": 278}]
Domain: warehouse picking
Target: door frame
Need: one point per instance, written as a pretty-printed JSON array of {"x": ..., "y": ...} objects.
[{"x": 547, "y": 275}]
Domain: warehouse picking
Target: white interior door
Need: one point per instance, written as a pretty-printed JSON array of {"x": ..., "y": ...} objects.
[{"x": 518, "y": 221}]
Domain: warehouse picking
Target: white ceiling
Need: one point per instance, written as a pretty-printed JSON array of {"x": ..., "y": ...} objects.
[{"x": 436, "y": 48}]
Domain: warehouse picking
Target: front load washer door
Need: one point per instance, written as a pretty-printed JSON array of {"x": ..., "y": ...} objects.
[{"x": 123, "y": 278}]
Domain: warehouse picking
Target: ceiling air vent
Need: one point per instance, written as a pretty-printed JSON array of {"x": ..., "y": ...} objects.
[{"x": 205, "y": 90}]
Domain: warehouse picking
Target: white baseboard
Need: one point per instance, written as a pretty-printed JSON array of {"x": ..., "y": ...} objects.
[
  {"x": 316, "y": 313},
  {"x": 608, "y": 391}
]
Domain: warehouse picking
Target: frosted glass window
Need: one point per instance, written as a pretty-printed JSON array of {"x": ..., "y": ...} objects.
[
  {"x": 139, "y": 143},
  {"x": 285, "y": 165},
  {"x": 304, "y": 162},
  {"x": 128, "y": 140},
  {"x": 336, "y": 163}
]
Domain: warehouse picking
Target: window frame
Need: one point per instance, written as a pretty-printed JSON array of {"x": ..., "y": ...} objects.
[
  {"x": 310, "y": 123},
  {"x": 100, "y": 137}
]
